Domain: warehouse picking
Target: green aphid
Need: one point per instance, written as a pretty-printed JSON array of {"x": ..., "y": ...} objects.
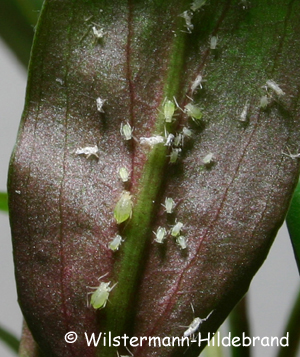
[
  {"x": 100, "y": 296},
  {"x": 169, "y": 110},
  {"x": 181, "y": 241},
  {"x": 124, "y": 174},
  {"x": 193, "y": 111},
  {"x": 123, "y": 209},
  {"x": 114, "y": 245},
  {"x": 175, "y": 231},
  {"x": 160, "y": 235}
]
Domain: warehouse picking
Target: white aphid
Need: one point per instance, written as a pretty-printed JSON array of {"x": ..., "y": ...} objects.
[
  {"x": 187, "y": 133},
  {"x": 213, "y": 42},
  {"x": 126, "y": 131},
  {"x": 195, "y": 324},
  {"x": 174, "y": 155},
  {"x": 98, "y": 33},
  {"x": 100, "y": 102},
  {"x": 114, "y": 245},
  {"x": 169, "y": 205},
  {"x": 124, "y": 174},
  {"x": 197, "y": 83},
  {"x": 88, "y": 151},
  {"x": 264, "y": 102},
  {"x": 170, "y": 139},
  {"x": 181, "y": 241},
  {"x": 160, "y": 234},
  {"x": 244, "y": 114},
  {"x": 152, "y": 141},
  {"x": 187, "y": 15},
  {"x": 197, "y": 4},
  {"x": 208, "y": 159},
  {"x": 275, "y": 88},
  {"x": 175, "y": 231},
  {"x": 99, "y": 297}
]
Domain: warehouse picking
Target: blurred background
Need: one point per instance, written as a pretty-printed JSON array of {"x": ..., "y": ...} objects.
[{"x": 273, "y": 289}]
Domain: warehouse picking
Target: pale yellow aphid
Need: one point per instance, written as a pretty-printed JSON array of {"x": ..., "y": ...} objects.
[
  {"x": 114, "y": 245},
  {"x": 100, "y": 296},
  {"x": 160, "y": 235},
  {"x": 181, "y": 241},
  {"x": 193, "y": 111},
  {"x": 124, "y": 174},
  {"x": 123, "y": 208},
  {"x": 169, "y": 109},
  {"x": 175, "y": 231}
]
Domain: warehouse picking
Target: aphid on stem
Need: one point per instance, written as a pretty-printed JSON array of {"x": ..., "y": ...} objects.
[{"x": 168, "y": 110}]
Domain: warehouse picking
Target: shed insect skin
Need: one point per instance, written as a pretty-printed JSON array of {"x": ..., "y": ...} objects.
[
  {"x": 195, "y": 324},
  {"x": 208, "y": 159},
  {"x": 213, "y": 42},
  {"x": 244, "y": 114},
  {"x": 98, "y": 34},
  {"x": 123, "y": 208},
  {"x": 187, "y": 15},
  {"x": 152, "y": 141},
  {"x": 88, "y": 151},
  {"x": 275, "y": 88},
  {"x": 197, "y": 83},
  {"x": 100, "y": 102},
  {"x": 100, "y": 296}
]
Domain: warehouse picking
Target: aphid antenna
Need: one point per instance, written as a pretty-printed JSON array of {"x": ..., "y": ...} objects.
[{"x": 177, "y": 105}]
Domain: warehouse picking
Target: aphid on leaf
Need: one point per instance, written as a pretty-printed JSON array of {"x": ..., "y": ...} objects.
[
  {"x": 124, "y": 174},
  {"x": 181, "y": 241},
  {"x": 114, "y": 245},
  {"x": 126, "y": 131},
  {"x": 175, "y": 231},
  {"x": 123, "y": 208},
  {"x": 264, "y": 102},
  {"x": 194, "y": 325},
  {"x": 187, "y": 15},
  {"x": 160, "y": 235},
  {"x": 194, "y": 112},
  {"x": 275, "y": 88},
  {"x": 98, "y": 34},
  {"x": 169, "y": 205},
  {"x": 169, "y": 110},
  {"x": 174, "y": 155},
  {"x": 100, "y": 296},
  {"x": 197, "y": 83},
  {"x": 197, "y": 4},
  {"x": 213, "y": 42},
  {"x": 244, "y": 114},
  {"x": 88, "y": 151},
  {"x": 100, "y": 102},
  {"x": 187, "y": 133},
  {"x": 152, "y": 141},
  {"x": 208, "y": 159}
]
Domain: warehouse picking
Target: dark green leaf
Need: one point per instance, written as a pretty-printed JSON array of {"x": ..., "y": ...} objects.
[
  {"x": 9, "y": 339},
  {"x": 3, "y": 201}
]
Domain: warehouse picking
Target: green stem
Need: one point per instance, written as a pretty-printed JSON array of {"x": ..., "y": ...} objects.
[
  {"x": 293, "y": 329},
  {"x": 239, "y": 324}
]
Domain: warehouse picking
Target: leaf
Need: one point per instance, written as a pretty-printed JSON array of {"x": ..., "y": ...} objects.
[
  {"x": 293, "y": 224},
  {"x": 231, "y": 204},
  {"x": 9, "y": 339},
  {"x": 3, "y": 201}
]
